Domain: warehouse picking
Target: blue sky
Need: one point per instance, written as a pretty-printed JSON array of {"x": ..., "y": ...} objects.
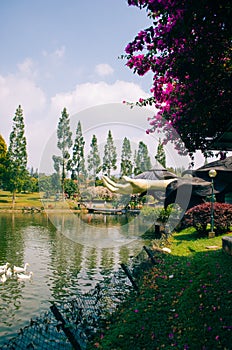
[
  {"x": 65, "y": 40},
  {"x": 57, "y": 54}
]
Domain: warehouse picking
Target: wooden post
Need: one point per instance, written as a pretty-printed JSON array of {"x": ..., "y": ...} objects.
[
  {"x": 65, "y": 329},
  {"x": 127, "y": 272},
  {"x": 150, "y": 255}
]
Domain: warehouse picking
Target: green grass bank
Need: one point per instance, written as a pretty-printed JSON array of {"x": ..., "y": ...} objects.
[{"x": 185, "y": 301}]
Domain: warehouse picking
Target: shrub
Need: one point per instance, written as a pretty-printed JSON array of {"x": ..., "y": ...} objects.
[
  {"x": 98, "y": 192},
  {"x": 200, "y": 218},
  {"x": 158, "y": 213}
]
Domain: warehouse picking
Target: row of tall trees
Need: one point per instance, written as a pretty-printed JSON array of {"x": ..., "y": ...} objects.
[
  {"x": 72, "y": 154},
  {"x": 15, "y": 176}
]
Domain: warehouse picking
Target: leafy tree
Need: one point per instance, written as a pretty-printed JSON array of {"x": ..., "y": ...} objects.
[
  {"x": 3, "y": 159},
  {"x": 136, "y": 170},
  {"x": 55, "y": 183},
  {"x": 126, "y": 163},
  {"x": 110, "y": 155},
  {"x": 160, "y": 155},
  {"x": 77, "y": 164},
  {"x": 188, "y": 50},
  {"x": 49, "y": 184},
  {"x": 17, "y": 172},
  {"x": 70, "y": 187},
  {"x": 30, "y": 185},
  {"x": 64, "y": 144},
  {"x": 94, "y": 160},
  {"x": 142, "y": 161}
]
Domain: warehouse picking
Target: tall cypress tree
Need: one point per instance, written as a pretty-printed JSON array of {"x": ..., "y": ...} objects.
[
  {"x": 110, "y": 155},
  {"x": 143, "y": 161},
  {"x": 160, "y": 155},
  {"x": 17, "y": 154},
  {"x": 77, "y": 164},
  {"x": 126, "y": 163},
  {"x": 94, "y": 160},
  {"x": 3, "y": 160},
  {"x": 64, "y": 143}
]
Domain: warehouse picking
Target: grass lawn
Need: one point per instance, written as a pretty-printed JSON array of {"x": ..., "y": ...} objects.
[
  {"x": 22, "y": 200},
  {"x": 31, "y": 200},
  {"x": 185, "y": 301}
]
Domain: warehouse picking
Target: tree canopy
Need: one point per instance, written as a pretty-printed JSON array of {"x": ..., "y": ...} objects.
[
  {"x": 77, "y": 163},
  {"x": 142, "y": 159},
  {"x": 188, "y": 50},
  {"x": 126, "y": 163},
  {"x": 94, "y": 159},
  {"x": 110, "y": 155}
]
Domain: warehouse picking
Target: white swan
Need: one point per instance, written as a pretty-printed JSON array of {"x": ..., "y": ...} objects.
[
  {"x": 8, "y": 272},
  {"x": 17, "y": 269},
  {"x": 3, "y": 278},
  {"x": 2, "y": 271},
  {"x": 5, "y": 266},
  {"x": 22, "y": 276},
  {"x": 167, "y": 250}
]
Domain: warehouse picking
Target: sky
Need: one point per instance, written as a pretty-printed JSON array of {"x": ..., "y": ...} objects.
[{"x": 57, "y": 54}]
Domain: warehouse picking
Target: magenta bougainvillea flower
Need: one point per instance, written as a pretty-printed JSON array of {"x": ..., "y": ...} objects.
[{"x": 188, "y": 49}]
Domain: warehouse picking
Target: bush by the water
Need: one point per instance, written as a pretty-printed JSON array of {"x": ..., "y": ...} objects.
[
  {"x": 199, "y": 217},
  {"x": 158, "y": 213}
]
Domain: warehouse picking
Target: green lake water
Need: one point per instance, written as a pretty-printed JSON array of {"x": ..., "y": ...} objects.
[{"x": 68, "y": 254}]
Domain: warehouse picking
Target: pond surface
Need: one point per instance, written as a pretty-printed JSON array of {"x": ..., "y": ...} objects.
[{"x": 67, "y": 253}]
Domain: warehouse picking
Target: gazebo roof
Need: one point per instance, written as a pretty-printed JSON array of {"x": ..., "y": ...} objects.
[{"x": 224, "y": 141}]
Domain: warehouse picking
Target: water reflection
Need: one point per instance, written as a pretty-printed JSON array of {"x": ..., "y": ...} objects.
[
  {"x": 63, "y": 264},
  {"x": 99, "y": 230}
]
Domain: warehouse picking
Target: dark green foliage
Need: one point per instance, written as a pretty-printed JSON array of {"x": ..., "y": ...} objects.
[{"x": 200, "y": 217}]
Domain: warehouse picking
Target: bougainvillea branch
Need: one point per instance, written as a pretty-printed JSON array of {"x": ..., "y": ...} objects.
[{"x": 188, "y": 49}]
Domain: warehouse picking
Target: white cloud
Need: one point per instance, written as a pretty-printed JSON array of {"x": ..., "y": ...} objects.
[
  {"x": 15, "y": 91},
  {"x": 93, "y": 94},
  {"x": 41, "y": 115},
  {"x": 58, "y": 53},
  {"x": 103, "y": 69},
  {"x": 27, "y": 68}
]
